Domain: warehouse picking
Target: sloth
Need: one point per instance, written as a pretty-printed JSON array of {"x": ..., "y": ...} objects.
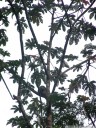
[{"x": 42, "y": 91}]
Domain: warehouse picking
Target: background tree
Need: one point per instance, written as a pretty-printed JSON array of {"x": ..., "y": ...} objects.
[{"x": 44, "y": 96}]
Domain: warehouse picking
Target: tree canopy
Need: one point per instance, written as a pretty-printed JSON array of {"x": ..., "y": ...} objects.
[{"x": 56, "y": 72}]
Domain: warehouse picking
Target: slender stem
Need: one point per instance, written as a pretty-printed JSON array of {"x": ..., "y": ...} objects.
[
  {"x": 21, "y": 44},
  {"x": 23, "y": 111},
  {"x": 83, "y": 12},
  {"x": 49, "y": 114},
  {"x": 66, "y": 44},
  {"x": 6, "y": 86},
  {"x": 34, "y": 36},
  {"x": 90, "y": 58}
]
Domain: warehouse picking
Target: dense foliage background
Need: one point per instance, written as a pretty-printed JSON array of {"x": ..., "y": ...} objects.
[{"x": 56, "y": 71}]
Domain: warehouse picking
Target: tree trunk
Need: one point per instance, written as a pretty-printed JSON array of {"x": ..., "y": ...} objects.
[{"x": 49, "y": 115}]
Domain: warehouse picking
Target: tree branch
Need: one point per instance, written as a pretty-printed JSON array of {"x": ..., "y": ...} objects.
[
  {"x": 65, "y": 46},
  {"x": 84, "y": 12},
  {"x": 34, "y": 36},
  {"x": 63, "y": 17},
  {"x": 49, "y": 114},
  {"x": 21, "y": 44},
  {"x": 28, "y": 85},
  {"x": 23, "y": 111},
  {"x": 49, "y": 52},
  {"x": 6, "y": 86},
  {"x": 90, "y": 58},
  {"x": 66, "y": 14}
]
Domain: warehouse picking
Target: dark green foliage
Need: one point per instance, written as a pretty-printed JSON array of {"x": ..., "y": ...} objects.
[
  {"x": 23, "y": 24},
  {"x": 88, "y": 50},
  {"x": 35, "y": 14},
  {"x": 3, "y": 16},
  {"x": 3, "y": 37},
  {"x": 4, "y": 53},
  {"x": 89, "y": 30},
  {"x": 62, "y": 115},
  {"x": 90, "y": 87},
  {"x": 92, "y": 13},
  {"x": 18, "y": 121},
  {"x": 30, "y": 44}
]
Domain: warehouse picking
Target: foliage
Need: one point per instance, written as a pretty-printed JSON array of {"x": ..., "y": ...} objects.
[{"x": 50, "y": 67}]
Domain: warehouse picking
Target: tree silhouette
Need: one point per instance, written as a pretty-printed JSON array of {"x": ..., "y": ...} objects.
[{"x": 44, "y": 96}]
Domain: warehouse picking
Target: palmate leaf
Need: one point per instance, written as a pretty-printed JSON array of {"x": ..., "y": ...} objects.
[
  {"x": 34, "y": 106},
  {"x": 71, "y": 57},
  {"x": 88, "y": 30},
  {"x": 18, "y": 121},
  {"x": 15, "y": 108},
  {"x": 43, "y": 48},
  {"x": 68, "y": 117},
  {"x": 91, "y": 15},
  {"x": 30, "y": 44},
  {"x": 76, "y": 84},
  {"x": 3, "y": 65},
  {"x": 82, "y": 28},
  {"x": 76, "y": 34},
  {"x": 37, "y": 77},
  {"x": 77, "y": 68},
  {"x": 88, "y": 50},
  {"x": 23, "y": 24},
  {"x": 57, "y": 25},
  {"x": 3, "y": 37},
  {"x": 35, "y": 14},
  {"x": 4, "y": 53},
  {"x": 4, "y": 12},
  {"x": 90, "y": 87},
  {"x": 92, "y": 12},
  {"x": 37, "y": 19},
  {"x": 82, "y": 98},
  {"x": 14, "y": 63}
]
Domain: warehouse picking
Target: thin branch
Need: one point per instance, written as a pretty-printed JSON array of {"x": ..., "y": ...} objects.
[
  {"x": 34, "y": 36},
  {"x": 48, "y": 113},
  {"x": 84, "y": 72},
  {"x": 66, "y": 14},
  {"x": 70, "y": 5},
  {"x": 32, "y": 89},
  {"x": 62, "y": 61},
  {"x": 18, "y": 98},
  {"x": 88, "y": 114},
  {"x": 21, "y": 44},
  {"x": 49, "y": 50},
  {"x": 63, "y": 17},
  {"x": 6, "y": 86},
  {"x": 78, "y": 81},
  {"x": 27, "y": 85},
  {"x": 84, "y": 12},
  {"x": 23, "y": 111},
  {"x": 65, "y": 47},
  {"x": 90, "y": 58}
]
